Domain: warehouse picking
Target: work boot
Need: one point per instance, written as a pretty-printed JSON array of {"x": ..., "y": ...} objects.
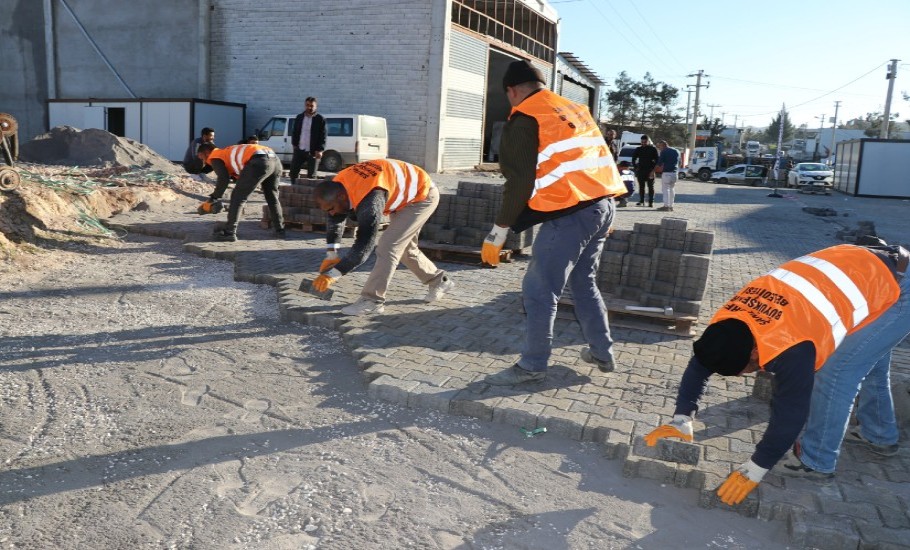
[
  {"x": 226, "y": 236},
  {"x": 514, "y": 375},
  {"x": 855, "y": 436},
  {"x": 605, "y": 365},
  {"x": 280, "y": 233},
  {"x": 622, "y": 203}
]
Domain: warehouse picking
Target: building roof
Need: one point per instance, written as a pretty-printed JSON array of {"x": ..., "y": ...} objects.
[{"x": 573, "y": 60}]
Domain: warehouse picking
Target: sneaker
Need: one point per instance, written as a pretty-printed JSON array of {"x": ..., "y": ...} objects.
[
  {"x": 855, "y": 436},
  {"x": 363, "y": 307},
  {"x": 604, "y": 365},
  {"x": 225, "y": 236},
  {"x": 793, "y": 467},
  {"x": 280, "y": 233},
  {"x": 514, "y": 375},
  {"x": 438, "y": 289},
  {"x": 639, "y": 204},
  {"x": 666, "y": 209}
]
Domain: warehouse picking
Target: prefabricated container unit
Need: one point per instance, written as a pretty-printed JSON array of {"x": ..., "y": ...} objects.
[
  {"x": 872, "y": 168},
  {"x": 165, "y": 125}
]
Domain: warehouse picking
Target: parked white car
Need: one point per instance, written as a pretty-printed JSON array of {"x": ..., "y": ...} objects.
[
  {"x": 810, "y": 173},
  {"x": 751, "y": 174}
]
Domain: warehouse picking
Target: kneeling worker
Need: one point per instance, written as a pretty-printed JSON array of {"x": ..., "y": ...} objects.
[
  {"x": 251, "y": 165},
  {"x": 367, "y": 190},
  {"x": 852, "y": 299}
]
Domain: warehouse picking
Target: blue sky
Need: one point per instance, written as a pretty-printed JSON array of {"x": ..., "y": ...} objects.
[{"x": 758, "y": 54}]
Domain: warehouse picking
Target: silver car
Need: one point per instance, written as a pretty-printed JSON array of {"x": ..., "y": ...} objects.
[{"x": 810, "y": 173}]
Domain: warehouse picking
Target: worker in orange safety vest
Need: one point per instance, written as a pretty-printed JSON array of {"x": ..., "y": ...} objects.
[{"x": 821, "y": 325}]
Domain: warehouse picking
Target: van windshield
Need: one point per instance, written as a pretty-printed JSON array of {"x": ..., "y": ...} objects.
[{"x": 341, "y": 127}]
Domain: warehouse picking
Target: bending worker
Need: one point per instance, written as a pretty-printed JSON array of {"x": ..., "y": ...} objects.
[
  {"x": 367, "y": 190},
  {"x": 560, "y": 174},
  {"x": 251, "y": 165},
  {"x": 852, "y": 299}
]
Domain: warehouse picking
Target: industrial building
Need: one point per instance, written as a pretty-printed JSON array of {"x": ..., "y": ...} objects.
[{"x": 432, "y": 68}]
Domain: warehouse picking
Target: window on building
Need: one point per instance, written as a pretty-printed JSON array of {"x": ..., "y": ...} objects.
[{"x": 510, "y": 22}]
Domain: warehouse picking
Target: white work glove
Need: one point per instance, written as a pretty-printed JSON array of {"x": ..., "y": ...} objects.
[{"x": 492, "y": 245}]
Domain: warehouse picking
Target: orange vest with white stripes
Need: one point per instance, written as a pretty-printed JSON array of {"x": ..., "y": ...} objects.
[
  {"x": 405, "y": 182},
  {"x": 235, "y": 157},
  {"x": 574, "y": 163},
  {"x": 821, "y": 298}
]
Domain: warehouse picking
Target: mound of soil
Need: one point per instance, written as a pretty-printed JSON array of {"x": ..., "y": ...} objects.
[{"x": 92, "y": 147}]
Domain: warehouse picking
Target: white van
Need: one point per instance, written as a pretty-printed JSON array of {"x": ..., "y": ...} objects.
[{"x": 351, "y": 139}]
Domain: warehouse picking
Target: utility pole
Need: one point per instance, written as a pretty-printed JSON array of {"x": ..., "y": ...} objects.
[
  {"x": 892, "y": 74},
  {"x": 818, "y": 138},
  {"x": 711, "y": 117},
  {"x": 833, "y": 131},
  {"x": 694, "y": 128},
  {"x": 689, "y": 90}
]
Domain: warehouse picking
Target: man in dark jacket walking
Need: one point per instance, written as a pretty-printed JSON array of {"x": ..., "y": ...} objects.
[{"x": 308, "y": 138}]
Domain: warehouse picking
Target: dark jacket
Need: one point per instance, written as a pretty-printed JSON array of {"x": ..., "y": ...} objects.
[
  {"x": 317, "y": 132},
  {"x": 644, "y": 159}
]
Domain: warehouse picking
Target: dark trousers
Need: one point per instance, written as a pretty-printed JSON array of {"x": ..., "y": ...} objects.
[
  {"x": 643, "y": 180},
  {"x": 263, "y": 170},
  {"x": 298, "y": 160}
]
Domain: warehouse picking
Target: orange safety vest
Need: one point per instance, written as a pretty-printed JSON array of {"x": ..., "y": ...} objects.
[
  {"x": 235, "y": 157},
  {"x": 405, "y": 182},
  {"x": 821, "y": 298},
  {"x": 574, "y": 163}
]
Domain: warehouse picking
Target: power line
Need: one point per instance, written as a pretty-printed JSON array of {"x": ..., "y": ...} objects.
[
  {"x": 877, "y": 67},
  {"x": 770, "y": 85},
  {"x": 648, "y": 25},
  {"x": 617, "y": 28}
]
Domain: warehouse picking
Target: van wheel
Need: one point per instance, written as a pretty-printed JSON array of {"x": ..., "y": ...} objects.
[
  {"x": 704, "y": 174},
  {"x": 331, "y": 162},
  {"x": 722, "y": 181}
]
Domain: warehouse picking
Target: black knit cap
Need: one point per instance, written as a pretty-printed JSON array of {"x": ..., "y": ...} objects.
[
  {"x": 520, "y": 72},
  {"x": 725, "y": 347}
]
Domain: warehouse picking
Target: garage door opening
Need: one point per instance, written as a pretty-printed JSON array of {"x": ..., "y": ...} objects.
[{"x": 497, "y": 107}]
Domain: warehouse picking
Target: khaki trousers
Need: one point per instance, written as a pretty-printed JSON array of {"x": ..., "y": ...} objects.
[{"x": 398, "y": 243}]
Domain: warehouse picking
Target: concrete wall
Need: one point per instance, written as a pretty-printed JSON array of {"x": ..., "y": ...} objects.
[
  {"x": 152, "y": 44},
  {"x": 357, "y": 56},
  {"x": 22, "y": 65}
]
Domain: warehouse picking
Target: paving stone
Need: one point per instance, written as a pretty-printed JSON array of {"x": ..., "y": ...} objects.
[
  {"x": 391, "y": 389},
  {"x": 881, "y": 538},
  {"x": 669, "y": 450},
  {"x": 813, "y": 530}
]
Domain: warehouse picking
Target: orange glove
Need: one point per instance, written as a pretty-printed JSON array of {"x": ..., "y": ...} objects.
[
  {"x": 740, "y": 483},
  {"x": 492, "y": 245},
  {"x": 327, "y": 264},
  {"x": 680, "y": 428},
  {"x": 323, "y": 282}
]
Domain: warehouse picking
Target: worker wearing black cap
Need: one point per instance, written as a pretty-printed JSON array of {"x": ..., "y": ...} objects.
[
  {"x": 560, "y": 174},
  {"x": 852, "y": 299}
]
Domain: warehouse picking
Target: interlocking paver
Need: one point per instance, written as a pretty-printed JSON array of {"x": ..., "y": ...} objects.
[{"x": 435, "y": 356}]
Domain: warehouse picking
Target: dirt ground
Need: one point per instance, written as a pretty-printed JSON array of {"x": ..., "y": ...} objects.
[{"x": 150, "y": 401}]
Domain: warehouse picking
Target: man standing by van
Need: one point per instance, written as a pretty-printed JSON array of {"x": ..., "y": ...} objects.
[
  {"x": 644, "y": 159},
  {"x": 668, "y": 164},
  {"x": 308, "y": 138}
]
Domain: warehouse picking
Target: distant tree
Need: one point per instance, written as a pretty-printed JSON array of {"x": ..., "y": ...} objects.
[
  {"x": 774, "y": 129},
  {"x": 646, "y": 105},
  {"x": 715, "y": 128}
]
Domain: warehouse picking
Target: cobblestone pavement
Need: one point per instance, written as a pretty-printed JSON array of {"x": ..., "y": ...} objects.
[{"x": 435, "y": 356}]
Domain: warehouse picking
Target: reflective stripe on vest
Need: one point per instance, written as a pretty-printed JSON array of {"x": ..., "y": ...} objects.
[
  {"x": 235, "y": 157},
  {"x": 574, "y": 163},
  {"x": 821, "y": 298},
  {"x": 405, "y": 182}
]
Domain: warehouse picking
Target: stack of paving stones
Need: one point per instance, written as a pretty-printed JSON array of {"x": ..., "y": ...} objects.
[
  {"x": 435, "y": 356},
  {"x": 658, "y": 265},
  {"x": 299, "y": 206},
  {"x": 465, "y": 218}
]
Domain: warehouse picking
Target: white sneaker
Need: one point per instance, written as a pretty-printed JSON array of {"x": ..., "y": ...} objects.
[
  {"x": 438, "y": 289},
  {"x": 363, "y": 306}
]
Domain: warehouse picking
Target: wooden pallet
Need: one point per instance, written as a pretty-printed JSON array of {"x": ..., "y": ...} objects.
[
  {"x": 461, "y": 254},
  {"x": 680, "y": 325}
]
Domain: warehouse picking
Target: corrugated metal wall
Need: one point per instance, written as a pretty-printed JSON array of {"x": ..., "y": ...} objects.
[
  {"x": 575, "y": 92},
  {"x": 462, "y": 129}
]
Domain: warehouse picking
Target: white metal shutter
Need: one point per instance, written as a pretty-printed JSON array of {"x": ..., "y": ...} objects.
[
  {"x": 466, "y": 85},
  {"x": 575, "y": 92}
]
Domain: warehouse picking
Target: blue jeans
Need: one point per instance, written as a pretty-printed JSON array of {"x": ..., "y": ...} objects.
[
  {"x": 861, "y": 365},
  {"x": 566, "y": 249}
]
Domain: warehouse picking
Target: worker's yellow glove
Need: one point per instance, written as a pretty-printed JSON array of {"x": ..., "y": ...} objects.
[
  {"x": 331, "y": 258},
  {"x": 323, "y": 282},
  {"x": 680, "y": 428},
  {"x": 740, "y": 483},
  {"x": 492, "y": 245}
]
